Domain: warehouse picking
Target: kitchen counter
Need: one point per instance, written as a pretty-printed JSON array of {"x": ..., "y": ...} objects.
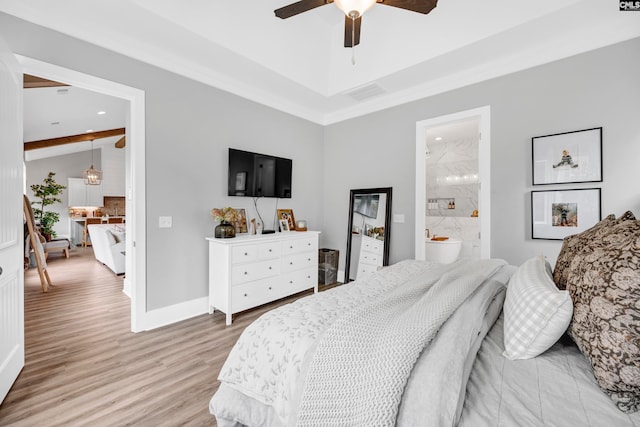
[{"x": 76, "y": 225}]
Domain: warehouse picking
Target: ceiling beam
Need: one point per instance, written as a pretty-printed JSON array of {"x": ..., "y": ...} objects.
[
  {"x": 53, "y": 142},
  {"x": 29, "y": 82}
]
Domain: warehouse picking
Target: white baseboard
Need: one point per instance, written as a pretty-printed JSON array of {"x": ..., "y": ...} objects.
[
  {"x": 175, "y": 313},
  {"x": 127, "y": 287}
]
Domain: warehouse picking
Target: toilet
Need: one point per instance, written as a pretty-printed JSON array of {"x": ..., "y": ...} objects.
[{"x": 443, "y": 252}]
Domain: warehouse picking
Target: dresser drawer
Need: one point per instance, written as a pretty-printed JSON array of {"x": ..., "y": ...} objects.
[
  {"x": 372, "y": 245},
  {"x": 298, "y": 261},
  {"x": 269, "y": 250},
  {"x": 365, "y": 269},
  {"x": 300, "y": 245},
  {"x": 300, "y": 280},
  {"x": 248, "y": 272},
  {"x": 248, "y": 253},
  {"x": 244, "y": 253},
  {"x": 370, "y": 258},
  {"x": 253, "y": 294}
]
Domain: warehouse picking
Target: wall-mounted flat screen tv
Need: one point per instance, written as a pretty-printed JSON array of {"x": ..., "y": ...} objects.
[{"x": 258, "y": 175}]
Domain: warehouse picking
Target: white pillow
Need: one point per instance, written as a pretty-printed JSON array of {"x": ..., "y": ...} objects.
[{"x": 536, "y": 312}]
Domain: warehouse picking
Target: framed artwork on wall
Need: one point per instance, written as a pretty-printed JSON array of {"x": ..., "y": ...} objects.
[
  {"x": 569, "y": 157},
  {"x": 288, "y": 215},
  {"x": 556, "y": 214}
]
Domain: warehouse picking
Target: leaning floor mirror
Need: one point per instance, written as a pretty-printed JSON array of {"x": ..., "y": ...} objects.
[{"x": 369, "y": 231}]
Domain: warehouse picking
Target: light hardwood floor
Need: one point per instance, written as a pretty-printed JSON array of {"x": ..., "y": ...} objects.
[{"x": 84, "y": 366}]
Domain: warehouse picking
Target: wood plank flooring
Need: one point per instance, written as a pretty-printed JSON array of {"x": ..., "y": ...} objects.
[{"x": 84, "y": 366}]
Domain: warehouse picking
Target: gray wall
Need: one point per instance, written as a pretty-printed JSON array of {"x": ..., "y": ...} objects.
[
  {"x": 189, "y": 127},
  {"x": 599, "y": 88}
]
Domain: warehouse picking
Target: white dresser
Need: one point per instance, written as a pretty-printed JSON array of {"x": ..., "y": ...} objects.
[
  {"x": 371, "y": 255},
  {"x": 250, "y": 270}
]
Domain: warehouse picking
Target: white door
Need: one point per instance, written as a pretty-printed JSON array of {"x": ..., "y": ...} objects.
[{"x": 11, "y": 224}]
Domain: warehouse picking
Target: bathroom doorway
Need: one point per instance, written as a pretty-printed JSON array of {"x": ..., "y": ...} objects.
[{"x": 453, "y": 181}]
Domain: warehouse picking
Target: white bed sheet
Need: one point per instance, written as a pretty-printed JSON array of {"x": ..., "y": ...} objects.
[{"x": 556, "y": 388}]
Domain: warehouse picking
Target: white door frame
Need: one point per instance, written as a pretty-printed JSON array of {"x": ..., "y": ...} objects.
[
  {"x": 135, "y": 264},
  {"x": 484, "y": 200}
]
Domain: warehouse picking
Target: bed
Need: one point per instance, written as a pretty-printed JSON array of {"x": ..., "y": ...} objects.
[{"x": 473, "y": 343}]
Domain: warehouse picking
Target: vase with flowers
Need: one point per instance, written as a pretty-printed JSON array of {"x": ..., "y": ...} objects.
[{"x": 226, "y": 217}]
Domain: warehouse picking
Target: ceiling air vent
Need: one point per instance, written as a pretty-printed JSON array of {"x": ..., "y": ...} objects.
[{"x": 366, "y": 92}]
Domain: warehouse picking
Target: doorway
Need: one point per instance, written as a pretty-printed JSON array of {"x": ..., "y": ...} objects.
[
  {"x": 135, "y": 258},
  {"x": 479, "y": 119}
]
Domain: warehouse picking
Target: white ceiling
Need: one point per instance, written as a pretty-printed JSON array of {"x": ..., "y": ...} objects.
[
  {"x": 299, "y": 65},
  {"x": 53, "y": 112}
]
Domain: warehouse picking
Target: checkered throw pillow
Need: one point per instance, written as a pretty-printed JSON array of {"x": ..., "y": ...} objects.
[{"x": 536, "y": 313}]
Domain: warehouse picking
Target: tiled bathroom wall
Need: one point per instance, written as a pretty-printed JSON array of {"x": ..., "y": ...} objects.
[{"x": 452, "y": 177}]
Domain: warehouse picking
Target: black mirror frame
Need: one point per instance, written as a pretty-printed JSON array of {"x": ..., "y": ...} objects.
[{"x": 387, "y": 226}]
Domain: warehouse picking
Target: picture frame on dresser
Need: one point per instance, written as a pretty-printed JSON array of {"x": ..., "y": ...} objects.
[
  {"x": 287, "y": 214},
  {"x": 241, "y": 223},
  {"x": 284, "y": 225},
  {"x": 567, "y": 158},
  {"x": 556, "y": 214}
]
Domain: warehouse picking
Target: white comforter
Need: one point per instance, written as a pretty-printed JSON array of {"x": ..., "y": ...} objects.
[{"x": 276, "y": 353}]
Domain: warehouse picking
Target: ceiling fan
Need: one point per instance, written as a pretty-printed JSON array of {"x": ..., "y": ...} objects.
[{"x": 353, "y": 10}]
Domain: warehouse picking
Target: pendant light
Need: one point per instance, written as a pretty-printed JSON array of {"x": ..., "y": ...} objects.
[{"x": 92, "y": 176}]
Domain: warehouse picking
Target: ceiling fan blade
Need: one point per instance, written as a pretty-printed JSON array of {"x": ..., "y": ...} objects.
[
  {"x": 352, "y": 31},
  {"x": 299, "y": 7},
  {"x": 420, "y": 6}
]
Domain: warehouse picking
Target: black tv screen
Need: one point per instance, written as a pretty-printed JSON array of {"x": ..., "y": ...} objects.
[{"x": 258, "y": 175}]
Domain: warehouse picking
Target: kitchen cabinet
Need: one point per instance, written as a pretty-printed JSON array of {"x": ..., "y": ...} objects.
[{"x": 81, "y": 195}]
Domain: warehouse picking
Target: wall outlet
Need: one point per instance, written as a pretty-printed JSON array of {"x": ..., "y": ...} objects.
[{"x": 165, "y": 222}]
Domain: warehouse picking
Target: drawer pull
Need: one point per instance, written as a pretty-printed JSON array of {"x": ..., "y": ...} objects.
[
  {"x": 290, "y": 246},
  {"x": 245, "y": 273},
  {"x": 246, "y": 295},
  {"x": 269, "y": 287},
  {"x": 269, "y": 267},
  {"x": 290, "y": 262},
  {"x": 270, "y": 250},
  {"x": 245, "y": 254},
  {"x": 291, "y": 282},
  {"x": 308, "y": 259}
]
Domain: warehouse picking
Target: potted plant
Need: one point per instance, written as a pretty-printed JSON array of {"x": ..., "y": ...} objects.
[{"x": 47, "y": 195}]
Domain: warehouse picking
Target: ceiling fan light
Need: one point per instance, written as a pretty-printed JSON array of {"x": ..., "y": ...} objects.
[{"x": 360, "y": 6}]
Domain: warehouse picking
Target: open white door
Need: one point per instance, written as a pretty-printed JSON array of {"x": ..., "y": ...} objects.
[{"x": 11, "y": 230}]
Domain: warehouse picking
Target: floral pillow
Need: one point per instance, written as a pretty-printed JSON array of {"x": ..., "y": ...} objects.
[
  {"x": 604, "y": 284},
  {"x": 577, "y": 243}
]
